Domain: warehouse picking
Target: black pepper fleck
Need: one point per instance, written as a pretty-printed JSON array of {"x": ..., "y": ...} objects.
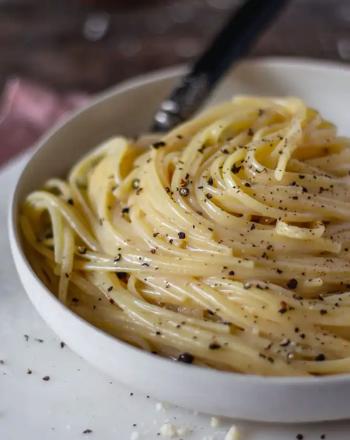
[
  {"x": 214, "y": 346},
  {"x": 292, "y": 283},
  {"x": 184, "y": 192},
  {"x": 158, "y": 144},
  {"x": 235, "y": 169},
  {"x": 284, "y": 308},
  {"x": 187, "y": 358}
]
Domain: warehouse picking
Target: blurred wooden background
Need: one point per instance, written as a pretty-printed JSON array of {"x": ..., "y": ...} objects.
[{"x": 92, "y": 44}]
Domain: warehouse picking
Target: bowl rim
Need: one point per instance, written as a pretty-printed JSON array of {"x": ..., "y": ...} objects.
[{"x": 17, "y": 248}]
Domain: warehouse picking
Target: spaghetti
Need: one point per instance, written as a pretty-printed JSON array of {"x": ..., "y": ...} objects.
[{"x": 224, "y": 243}]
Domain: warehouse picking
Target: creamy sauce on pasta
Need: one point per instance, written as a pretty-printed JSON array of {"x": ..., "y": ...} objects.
[{"x": 224, "y": 243}]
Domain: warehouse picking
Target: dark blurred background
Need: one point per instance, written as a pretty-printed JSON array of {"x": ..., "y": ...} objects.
[
  {"x": 93, "y": 44},
  {"x": 55, "y": 53}
]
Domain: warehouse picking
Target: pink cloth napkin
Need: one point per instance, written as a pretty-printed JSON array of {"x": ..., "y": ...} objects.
[{"x": 27, "y": 110}]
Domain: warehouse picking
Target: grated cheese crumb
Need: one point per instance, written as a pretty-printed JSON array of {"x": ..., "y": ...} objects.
[
  {"x": 232, "y": 433},
  {"x": 214, "y": 422},
  {"x": 159, "y": 406},
  {"x": 182, "y": 431},
  {"x": 168, "y": 430}
]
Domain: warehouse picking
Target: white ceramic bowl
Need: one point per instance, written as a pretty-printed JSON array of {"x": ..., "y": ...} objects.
[{"x": 127, "y": 109}]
